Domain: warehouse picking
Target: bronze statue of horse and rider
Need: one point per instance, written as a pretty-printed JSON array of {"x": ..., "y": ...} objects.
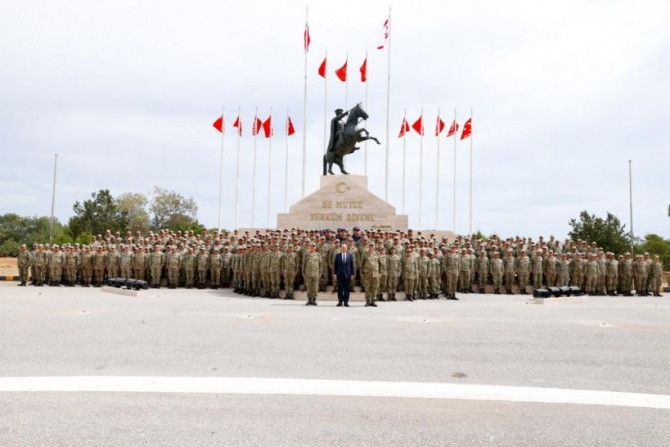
[{"x": 343, "y": 138}]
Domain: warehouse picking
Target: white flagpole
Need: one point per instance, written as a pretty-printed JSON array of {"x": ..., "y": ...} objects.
[
  {"x": 437, "y": 180},
  {"x": 404, "y": 161},
  {"x": 470, "y": 219},
  {"x": 253, "y": 184},
  {"x": 367, "y": 109},
  {"x": 421, "y": 172},
  {"x": 388, "y": 110},
  {"x": 223, "y": 133},
  {"x": 325, "y": 105},
  {"x": 237, "y": 173},
  {"x": 304, "y": 115},
  {"x": 455, "y": 142},
  {"x": 286, "y": 165},
  {"x": 346, "y": 84},
  {"x": 53, "y": 202},
  {"x": 269, "y": 170}
]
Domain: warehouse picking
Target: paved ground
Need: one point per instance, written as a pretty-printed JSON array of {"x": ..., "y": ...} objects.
[{"x": 604, "y": 344}]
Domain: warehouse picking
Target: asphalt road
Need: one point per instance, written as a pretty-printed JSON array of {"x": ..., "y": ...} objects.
[{"x": 603, "y": 344}]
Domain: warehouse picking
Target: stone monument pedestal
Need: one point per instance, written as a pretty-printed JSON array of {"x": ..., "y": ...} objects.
[{"x": 343, "y": 201}]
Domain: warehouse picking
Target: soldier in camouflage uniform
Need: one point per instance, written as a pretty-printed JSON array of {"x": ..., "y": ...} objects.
[
  {"x": 156, "y": 261},
  {"x": 264, "y": 271},
  {"x": 112, "y": 261},
  {"x": 312, "y": 270},
  {"x": 433, "y": 277},
  {"x": 71, "y": 261},
  {"x": 99, "y": 264},
  {"x": 202, "y": 264},
  {"x": 577, "y": 271},
  {"x": 56, "y": 266},
  {"x": 509, "y": 269},
  {"x": 139, "y": 263},
  {"x": 523, "y": 264},
  {"x": 592, "y": 275},
  {"x": 275, "y": 271},
  {"x": 39, "y": 265},
  {"x": 370, "y": 275},
  {"x": 226, "y": 266},
  {"x": 393, "y": 270},
  {"x": 289, "y": 269},
  {"x": 23, "y": 262},
  {"x": 215, "y": 265},
  {"x": 126, "y": 263},
  {"x": 564, "y": 271},
  {"x": 538, "y": 264},
  {"x": 602, "y": 274},
  {"x": 172, "y": 265},
  {"x": 236, "y": 267},
  {"x": 188, "y": 265},
  {"x": 496, "y": 268},
  {"x": 612, "y": 267},
  {"x": 482, "y": 267},
  {"x": 452, "y": 268},
  {"x": 464, "y": 272},
  {"x": 639, "y": 275},
  {"x": 383, "y": 273},
  {"x": 422, "y": 279},
  {"x": 550, "y": 269},
  {"x": 410, "y": 272},
  {"x": 656, "y": 276}
]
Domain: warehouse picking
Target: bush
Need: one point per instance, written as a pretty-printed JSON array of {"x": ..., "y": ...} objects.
[{"x": 9, "y": 249}]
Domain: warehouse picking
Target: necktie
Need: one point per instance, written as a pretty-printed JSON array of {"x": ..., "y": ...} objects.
[{"x": 344, "y": 258}]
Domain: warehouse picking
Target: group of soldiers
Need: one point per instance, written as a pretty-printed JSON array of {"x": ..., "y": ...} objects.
[{"x": 385, "y": 262}]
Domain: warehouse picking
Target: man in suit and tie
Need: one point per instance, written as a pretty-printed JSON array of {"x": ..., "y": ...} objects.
[{"x": 344, "y": 272}]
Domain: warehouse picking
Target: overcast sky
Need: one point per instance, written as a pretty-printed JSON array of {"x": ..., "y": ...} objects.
[{"x": 564, "y": 94}]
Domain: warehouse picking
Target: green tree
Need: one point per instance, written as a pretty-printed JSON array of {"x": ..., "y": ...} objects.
[
  {"x": 607, "y": 233},
  {"x": 96, "y": 215},
  {"x": 134, "y": 204},
  {"x": 16, "y": 230},
  {"x": 167, "y": 205},
  {"x": 656, "y": 245}
]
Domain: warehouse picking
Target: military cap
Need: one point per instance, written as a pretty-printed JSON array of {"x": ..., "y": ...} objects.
[{"x": 312, "y": 244}]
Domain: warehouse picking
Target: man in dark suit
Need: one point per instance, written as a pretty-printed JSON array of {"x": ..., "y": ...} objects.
[{"x": 344, "y": 272}]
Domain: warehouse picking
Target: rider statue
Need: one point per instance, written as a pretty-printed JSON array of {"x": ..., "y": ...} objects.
[{"x": 337, "y": 130}]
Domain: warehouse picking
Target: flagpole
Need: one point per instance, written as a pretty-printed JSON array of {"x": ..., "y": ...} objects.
[
  {"x": 253, "y": 184},
  {"x": 286, "y": 165},
  {"x": 269, "y": 169},
  {"x": 455, "y": 143},
  {"x": 53, "y": 202},
  {"x": 404, "y": 164},
  {"x": 367, "y": 109},
  {"x": 223, "y": 133},
  {"x": 421, "y": 172},
  {"x": 470, "y": 219},
  {"x": 346, "y": 84},
  {"x": 388, "y": 110},
  {"x": 437, "y": 180},
  {"x": 304, "y": 112},
  {"x": 325, "y": 105},
  {"x": 630, "y": 187},
  {"x": 237, "y": 173}
]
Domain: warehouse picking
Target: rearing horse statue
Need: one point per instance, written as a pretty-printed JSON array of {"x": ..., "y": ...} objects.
[{"x": 347, "y": 143}]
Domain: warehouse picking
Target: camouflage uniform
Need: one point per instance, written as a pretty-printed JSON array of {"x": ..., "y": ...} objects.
[
  {"x": 370, "y": 276},
  {"x": 410, "y": 271},
  {"x": 23, "y": 262},
  {"x": 383, "y": 274},
  {"x": 126, "y": 263},
  {"x": 215, "y": 264},
  {"x": 202, "y": 264},
  {"x": 482, "y": 271},
  {"x": 139, "y": 264},
  {"x": 156, "y": 261},
  {"x": 172, "y": 264},
  {"x": 393, "y": 267},
  {"x": 311, "y": 271},
  {"x": 496, "y": 269},
  {"x": 523, "y": 263},
  {"x": 275, "y": 271},
  {"x": 509, "y": 268},
  {"x": 289, "y": 267},
  {"x": 56, "y": 266}
]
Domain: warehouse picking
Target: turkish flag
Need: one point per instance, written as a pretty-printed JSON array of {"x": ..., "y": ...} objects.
[
  {"x": 305, "y": 37},
  {"x": 256, "y": 126},
  {"x": 386, "y": 28},
  {"x": 467, "y": 129},
  {"x": 418, "y": 125},
  {"x": 267, "y": 127},
  {"x": 439, "y": 126},
  {"x": 218, "y": 124},
  {"x": 290, "y": 130},
  {"x": 238, "y": 124},
  {"x": 364, "y": 70},
  {"x": 453, "y": 129},
  {"x": 322, "y": 68},
  {"x": 342, "y": 72},
  {"x": 404, "y": 128}
]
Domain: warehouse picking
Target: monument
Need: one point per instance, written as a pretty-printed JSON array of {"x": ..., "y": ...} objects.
[{"x": 343, "y": 201}]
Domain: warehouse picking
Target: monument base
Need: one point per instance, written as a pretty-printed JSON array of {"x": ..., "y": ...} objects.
[{"x": 343, "y": 201}]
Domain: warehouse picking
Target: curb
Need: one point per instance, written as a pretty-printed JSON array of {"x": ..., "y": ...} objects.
[{"x": 9, "y": 278}]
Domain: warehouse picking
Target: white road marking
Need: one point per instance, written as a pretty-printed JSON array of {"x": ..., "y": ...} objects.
[{"x": 308, "y": 387}]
